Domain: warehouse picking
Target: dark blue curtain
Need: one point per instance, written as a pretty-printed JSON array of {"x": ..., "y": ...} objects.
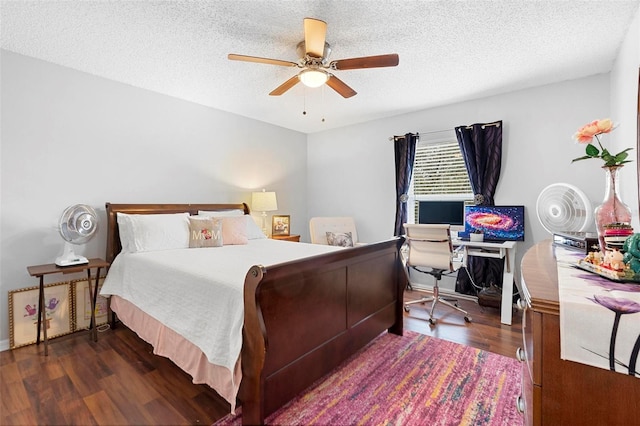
[
  {"x": 481, "y": 147},
  {"x": 405, "y": 153}
]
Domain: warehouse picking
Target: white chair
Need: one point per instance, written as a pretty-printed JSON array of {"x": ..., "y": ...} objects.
[
  {"x": 319, "y": 226},
  {"x": 429, "y": 246}
]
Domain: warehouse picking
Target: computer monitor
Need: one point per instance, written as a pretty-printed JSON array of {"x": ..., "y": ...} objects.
[
  {"x": 441, "y": 212},
  {"x": 497, "y": 223}
]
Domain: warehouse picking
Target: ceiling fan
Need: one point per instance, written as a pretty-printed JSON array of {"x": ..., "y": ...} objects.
[{"x": 314, "y": 60}]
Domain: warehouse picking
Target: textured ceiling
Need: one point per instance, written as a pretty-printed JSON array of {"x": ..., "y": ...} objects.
[{"x": 449, "y": 51}]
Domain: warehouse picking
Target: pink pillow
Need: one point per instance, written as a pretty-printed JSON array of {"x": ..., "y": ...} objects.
[{"x": 234, "y": 230}]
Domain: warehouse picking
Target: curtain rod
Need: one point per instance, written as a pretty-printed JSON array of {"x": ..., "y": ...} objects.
[
  {"x": 393, "y": 138},
  {"x": 497, "y": 123}
]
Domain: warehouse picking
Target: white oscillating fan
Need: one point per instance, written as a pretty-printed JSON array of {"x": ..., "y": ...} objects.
[
  {"x": 562, "y": 207},
  {"x": 78, "y": 224}
]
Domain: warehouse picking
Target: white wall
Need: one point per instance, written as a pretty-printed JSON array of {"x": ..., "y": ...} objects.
[
  {"x": 351, "y": 170},
  {"x": 69, "y": 137},
  {"x": 624, "y": 110}
]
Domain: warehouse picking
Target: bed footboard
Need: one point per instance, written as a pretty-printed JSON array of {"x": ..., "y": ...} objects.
[{"x": 304, "y": 318}]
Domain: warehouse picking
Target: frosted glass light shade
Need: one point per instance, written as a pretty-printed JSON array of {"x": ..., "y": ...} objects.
[
  {"x": 313, "y": 78},
  {"x": 264, "y": 201}
]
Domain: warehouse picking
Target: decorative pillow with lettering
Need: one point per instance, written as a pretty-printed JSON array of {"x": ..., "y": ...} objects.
[
  {"x": 205, "y": 232},
  {"x": 341, "y": 239}
]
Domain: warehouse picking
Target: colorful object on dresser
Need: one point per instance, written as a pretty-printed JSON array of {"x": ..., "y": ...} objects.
[
  {"x": 619, "y": 263},
  {"x": 410, "y": 379},
  {"x": 631, "y": 250}
]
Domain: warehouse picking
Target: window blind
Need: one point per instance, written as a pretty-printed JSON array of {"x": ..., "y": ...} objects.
[{"x": 439, "y": 169}]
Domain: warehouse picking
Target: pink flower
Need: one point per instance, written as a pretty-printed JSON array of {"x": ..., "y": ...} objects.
[
  {"x": 589, "y": 131},
  {"x": 586, "y": 133}
]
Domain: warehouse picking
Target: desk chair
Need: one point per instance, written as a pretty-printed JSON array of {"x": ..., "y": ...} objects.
[{"x": 430, "y": 247}]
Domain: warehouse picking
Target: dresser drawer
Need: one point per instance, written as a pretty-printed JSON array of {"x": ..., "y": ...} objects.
[
  {"x": 524, "y": 402},
  {"x": 526, "y": 352}
]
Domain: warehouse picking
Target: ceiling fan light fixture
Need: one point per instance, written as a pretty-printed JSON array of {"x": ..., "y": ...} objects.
[{"x": 313, "y": 77}]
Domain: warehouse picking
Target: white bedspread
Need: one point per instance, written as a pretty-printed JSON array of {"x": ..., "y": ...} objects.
[{"x": 199, "y": 292}]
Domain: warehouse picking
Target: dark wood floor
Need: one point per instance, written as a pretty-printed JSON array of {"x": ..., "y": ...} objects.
[{"x": 118, "y": 380}]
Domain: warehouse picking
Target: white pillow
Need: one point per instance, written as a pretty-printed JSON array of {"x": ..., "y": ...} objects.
[
  {"x": 151, "y": 232},
  {"x": 125, "y": 231},
  {"x": 221, "y": 213},
  {"x": 254, "y": 232}
]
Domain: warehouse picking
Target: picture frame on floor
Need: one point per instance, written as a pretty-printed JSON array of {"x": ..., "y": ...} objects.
[
  {"x": 82, "y": 304},
  {"x": 23, "y": 313},
  {"x": 280, "y": 225}
]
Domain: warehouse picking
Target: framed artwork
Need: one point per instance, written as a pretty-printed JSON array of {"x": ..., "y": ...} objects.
[
  {"x": 280, "y": 225},
  {"x": 82, "y": 304},
  {"x": 23, "y": 313}
]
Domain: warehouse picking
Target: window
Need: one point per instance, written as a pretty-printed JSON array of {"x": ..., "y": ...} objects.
[{"x": 439, "y": 173}]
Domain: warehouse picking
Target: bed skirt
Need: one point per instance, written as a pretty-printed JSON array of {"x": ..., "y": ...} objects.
[{"x": 183, "y": 353}]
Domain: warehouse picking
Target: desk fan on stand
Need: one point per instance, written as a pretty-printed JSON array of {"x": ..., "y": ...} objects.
[
  {"x": 563, "y": 208},
  {"x": 77, "y": 225}
]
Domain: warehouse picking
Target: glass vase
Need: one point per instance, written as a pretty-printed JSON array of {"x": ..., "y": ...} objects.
[{"x": 612, "y": 213}]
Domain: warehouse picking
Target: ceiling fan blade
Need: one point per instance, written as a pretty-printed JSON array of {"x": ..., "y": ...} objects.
[
  {"x": 378, "y": 61},
  {"x": 315, "y": 32},
  {"x": 339, "y": 86},
  {"x": 285, "y": 86},
  {"x": 246, "y": 58}
]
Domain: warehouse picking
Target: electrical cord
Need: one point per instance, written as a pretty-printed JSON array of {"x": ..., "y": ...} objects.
[{"x": 477, "y": 287}]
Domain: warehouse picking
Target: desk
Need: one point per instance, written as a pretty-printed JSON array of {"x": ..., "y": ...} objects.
[
  {"x": 505, "y": 250},
  {"x": 40, "y": 271}
]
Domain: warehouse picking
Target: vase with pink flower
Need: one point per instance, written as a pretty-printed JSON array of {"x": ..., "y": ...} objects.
[{"x": 612, "y": 217}]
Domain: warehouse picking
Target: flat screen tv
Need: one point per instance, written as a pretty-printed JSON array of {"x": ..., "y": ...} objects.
[
  {"x": 441, "y": 212},
  {"x": 498, "y": 223}
]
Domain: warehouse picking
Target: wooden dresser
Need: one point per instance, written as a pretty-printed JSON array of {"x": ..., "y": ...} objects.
[{"x": 557, "y": 392}]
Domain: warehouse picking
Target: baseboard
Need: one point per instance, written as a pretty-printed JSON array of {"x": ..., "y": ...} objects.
[{"x": 4, "y": 345}]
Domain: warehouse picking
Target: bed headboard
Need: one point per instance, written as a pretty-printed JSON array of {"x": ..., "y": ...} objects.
[{"x": 113, "y": 235}]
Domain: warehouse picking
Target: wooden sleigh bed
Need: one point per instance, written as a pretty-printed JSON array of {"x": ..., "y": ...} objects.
[{"x": 304, "y": 317}]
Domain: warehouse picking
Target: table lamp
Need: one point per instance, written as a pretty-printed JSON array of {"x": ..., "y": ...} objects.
[{"x": 264, "y": 202}]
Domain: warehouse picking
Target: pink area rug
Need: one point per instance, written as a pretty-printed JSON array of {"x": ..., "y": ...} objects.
[{"x": 409, "y": 380}]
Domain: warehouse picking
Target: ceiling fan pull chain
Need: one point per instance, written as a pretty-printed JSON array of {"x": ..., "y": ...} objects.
[
  {"x": 304, "y": 101},
  {"x": 322, "y": 102}
]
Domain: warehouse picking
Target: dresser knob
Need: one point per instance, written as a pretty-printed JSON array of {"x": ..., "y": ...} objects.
[
  {"x": 520, "y": 355},
  {"x": 520, "y": 406}
]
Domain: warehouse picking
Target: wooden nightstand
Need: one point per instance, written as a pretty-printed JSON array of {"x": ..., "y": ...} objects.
[
  {"x": 294, "y": 238},
  {"x": 51, "y": 268}
]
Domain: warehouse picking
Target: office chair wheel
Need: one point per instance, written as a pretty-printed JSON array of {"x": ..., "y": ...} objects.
[
  {"x": 467, "y": 319},
  {"x": 432, "y": 321},
  {"x": 406, "y": 309}
]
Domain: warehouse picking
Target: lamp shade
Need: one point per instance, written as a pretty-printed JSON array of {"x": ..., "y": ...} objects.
[{"x": 264, "y": 201}]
